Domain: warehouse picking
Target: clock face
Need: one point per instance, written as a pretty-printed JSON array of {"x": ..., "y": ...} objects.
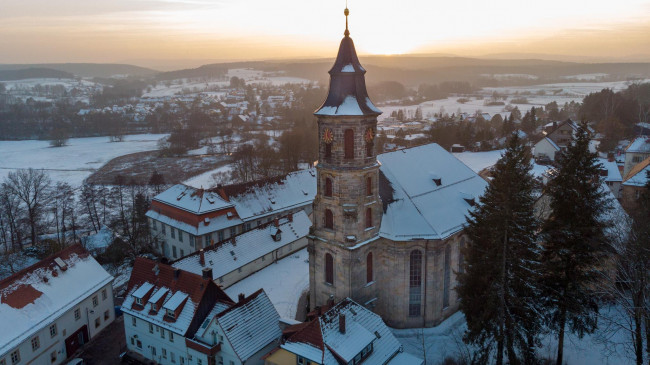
[
  {"x": 370, "y": 135},
  {"x": 328, "y": 136}
]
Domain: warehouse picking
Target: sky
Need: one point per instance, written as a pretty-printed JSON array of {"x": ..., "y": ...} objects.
[{"x": 166, "y": 32}]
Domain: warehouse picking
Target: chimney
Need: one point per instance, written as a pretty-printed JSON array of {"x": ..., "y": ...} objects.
[
  {"x": 177, "y": 273},
  {"x": 202, "y": 257},
  {"x": 206, "y": 221},
  {"x": 276, "y": 222},
  {"x": 342, "y": 323},
  {"x": 330, "y": 301},
  {"x": 207, "y": 273},
  {"x": 290, "y": 217},
  {"x": 241, "y": 297}
]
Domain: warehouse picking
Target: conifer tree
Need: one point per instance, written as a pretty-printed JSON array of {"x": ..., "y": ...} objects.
[
  {"x": 498, "y": 287},
  {"x": 574, "y": 242}
]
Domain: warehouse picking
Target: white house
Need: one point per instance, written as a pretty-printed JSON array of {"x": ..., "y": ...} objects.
[
  {"x": 185, "y": 219},
  {"x": 249, "y": 252},
  {"x": 173, "y": 316},
  {"x": 546, "y": 148},
  {"x": 50, "y": 309},
  {"x": 611, "y": 175},
  {"x": 635, "y": 153}
]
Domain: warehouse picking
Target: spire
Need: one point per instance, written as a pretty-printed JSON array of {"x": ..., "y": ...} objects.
[
  {"x": 346, "y": 12},
  {"x": 347, "y": 94}
]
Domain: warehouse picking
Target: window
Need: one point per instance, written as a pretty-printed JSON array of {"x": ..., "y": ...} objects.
[
  {"x": 133, "y": 321},
  {"x": 104, "y": 295},
  {"x": 369, "y": 186},
  {"x": 180, "y": 235},
  {"x": 461, "y": 257},
  {"x": 447, "y": 278},
  {"x": 52, "y": 357},
  {"x": 138, "y": 301},
  {"x": 36, "y": 343},
  {"x": 162, "y": 228},
  {"x": 221, "y": 235},
  {"x": 302, "y": 361},
  {"x": 172, "y": 356},
  {"x": 162, "y": 334},
  {"x": 247, "y": 226},
  {"x": 349, "y": 144},
  {"x": 97, "y": 322},
  {"x": 368, "y": 217},
  {"x": 329, "y": 219},
  {"x": 328, "y": 151},
  {"x": 139, "y": 344},
  {"x": 415, "y": 283},
  {"x": 77, "y": 314},
  {"x": 106, "y": 315},
  {"x": 198, "y": 361},
  {"x": 233, "y": 231},
  {"x": 181, "y": 359},
  {"x": 153, "y": 225},
  {"x": 174, "y": 251},
  {"x": 52, "y": 331},
  {"x": 329, "y": 269},
  {"x": 95, "y": 301},
  {"x": 182, "y": 253},
  {"x": 164, "y": 353},
  {"x": 153, "y": 351},
  {"x": 369, "y": 267},
  {"x": 170, "y": 314},
  {"x": 328, "y": 186},
  {"x": 171, "y": 336},
  {"x": 150, "y": 328},
  {"x": 15, "y": 357},
  {"x": 191, "y": 240}
]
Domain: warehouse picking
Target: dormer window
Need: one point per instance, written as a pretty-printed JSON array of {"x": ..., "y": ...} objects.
[
  {"x": 138, "y": 301},
  {"x": 170, "y": 313},
  {"x": 153, "y": 307}
]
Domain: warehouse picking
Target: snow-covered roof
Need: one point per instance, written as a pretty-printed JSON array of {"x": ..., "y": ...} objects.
[
  {"x": 215, "y": 223},
  {"x": 180, "y": 325},
  {"x": 613, "y": 173},
  {"x": 247, "y": 247},
  {"x": 349, "y": 106},
  {"x": 175, "y": 301},
  {"x": 416, "y": 207},
  {"x": 549, "y": 141},
  {"x": 638, "y": 175},
  {"x": 197, "y": 201},
  {"x": 35, "y": 297},
  {"x": 322, "y": 342},
  {"x": 639, "y": 145},
  {"x": 251, "y": 324},
  {"x": 142, "y": 290},
  {"x": 295, "y": 190}
]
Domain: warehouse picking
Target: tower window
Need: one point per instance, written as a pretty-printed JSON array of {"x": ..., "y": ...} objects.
[
  {"x": 368, "y": 217},
  {"x": 329, "y": 219},
  {"x": 369, "y": 146},
  {"x": 329, "y": 269},
  {"x": 369, "y": 186},
  {"x": 369, "y": 267},
  {"x": 447, "y": 278},
  {"x": 415, "y": 283},
  {"x": 349, "y": 143},
  {"x": 328, "y": 186},
  {"x": 328, "y": 150}
]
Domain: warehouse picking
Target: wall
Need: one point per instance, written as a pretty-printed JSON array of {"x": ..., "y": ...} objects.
[{"x": 149, "y": 340}]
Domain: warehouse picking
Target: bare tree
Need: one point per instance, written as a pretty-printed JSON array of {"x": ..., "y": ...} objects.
[
  {"x": 10, "y": 213},
  {"x": 32, "y": 188}
]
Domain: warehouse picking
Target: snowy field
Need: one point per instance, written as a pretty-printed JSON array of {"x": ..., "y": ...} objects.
[
  {"x": 283, "y": 282},
  {"x": 69, "y": 84},
  {"x": 205, "y": 180},
  {"x": 73, "y": 162}
]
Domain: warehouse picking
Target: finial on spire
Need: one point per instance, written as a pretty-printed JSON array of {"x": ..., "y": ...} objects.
[{"x": 346, "y": 12}]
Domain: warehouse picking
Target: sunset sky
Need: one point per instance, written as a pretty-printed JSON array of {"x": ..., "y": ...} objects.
[{"x": 147, "y": 32}]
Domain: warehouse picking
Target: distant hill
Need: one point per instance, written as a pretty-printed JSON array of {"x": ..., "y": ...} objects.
[
  {"x": 33, "y": 73},
  {"x": 86, "y": 69},
  {"x": 413, "y": 70}
]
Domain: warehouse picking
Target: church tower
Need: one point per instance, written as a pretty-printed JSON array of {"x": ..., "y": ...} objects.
[{"x": 347, "y": 208}]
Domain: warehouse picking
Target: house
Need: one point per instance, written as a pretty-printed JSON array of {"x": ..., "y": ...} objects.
[
  {"x": 637, "y": 151},
  {"x": 611, "y": 175},
  {"x": 348, "y": 333},
  {"x": 185, "y": 219},
  {"x": 172, "y": 316},
  {"x": 52, "y": 308},
  {"x": 546, "y": 148},
  {"x": 634, "y": 184},
  {"x": 249, "y": 252}
]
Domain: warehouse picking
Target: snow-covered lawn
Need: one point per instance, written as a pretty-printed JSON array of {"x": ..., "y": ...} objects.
[
  {"x": 283, "y": 282},
  {"x": 75, "y": 161},
  {"x": 205, "y": 179}
]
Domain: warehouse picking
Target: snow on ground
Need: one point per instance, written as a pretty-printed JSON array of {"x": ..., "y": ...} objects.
[
  {"x": 75, "y": 161},
  {"x": 478, "y": 161},
  {"x": 30, "y": 83},
  {"x": 564, "y": 89},
  {"x": 205, "y": 179},
  {"x": 446, "y": 340},
  {"x": 284, "y": 282}
]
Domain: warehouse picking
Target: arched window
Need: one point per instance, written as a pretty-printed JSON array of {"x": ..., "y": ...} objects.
[
  {"x": 329, "y": 269},
  {"x": 369, "y": 146},
  {"x": 349, "y": 143},
  {"x": 368, "y": 217},
  {"x": 369, "y": 185},
  {"x": 369, "y": 268},
  {"x": 447, "y": 277},
  {"x": 328, "y": 151},
  {"x": 328, "y": 186},
  {"x": 329, "y": 219},
  {"x": 415, "y": 283}
]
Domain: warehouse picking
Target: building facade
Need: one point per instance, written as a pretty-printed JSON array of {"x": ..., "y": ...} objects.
[
  {"x": 635, "y": 153},
  {"x": 387, "y": 228},
  {"x": 51, "y": 309}
]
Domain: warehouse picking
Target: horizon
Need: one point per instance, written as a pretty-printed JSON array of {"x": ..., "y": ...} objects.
[{"x": 153, "y": 33}]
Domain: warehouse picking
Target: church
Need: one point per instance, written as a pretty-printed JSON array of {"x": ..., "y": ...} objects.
[{"x": 387, "y": 228}]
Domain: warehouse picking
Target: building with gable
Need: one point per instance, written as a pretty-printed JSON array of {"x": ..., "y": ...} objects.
[
  {"x": 634, "y": 184},
  {"x": 637, "y": 151},
  {"x": 184, "y": 219},
  {"x": 249, "y": 252},
  {"x": 52, "y": 308},
  {"x": 347, "y": 333},
  {"x": 387, "y": 228},
  {"x": 172, "y": 316}
]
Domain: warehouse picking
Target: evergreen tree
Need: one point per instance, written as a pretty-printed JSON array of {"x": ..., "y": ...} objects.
[
  {"x": 574, "y": 241},
  {"x": 508, "y": 126},
  {"x": 498, "y": 287}
]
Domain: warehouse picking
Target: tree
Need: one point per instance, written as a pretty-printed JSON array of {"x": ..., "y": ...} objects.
[
  {"x": 508, "y": 126},
  {"x": 157, "y": 180},
  {"x": 31, "y": 188},
  {"x": 574, "y": 240},
  {"x": 498, "y": 287}
]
